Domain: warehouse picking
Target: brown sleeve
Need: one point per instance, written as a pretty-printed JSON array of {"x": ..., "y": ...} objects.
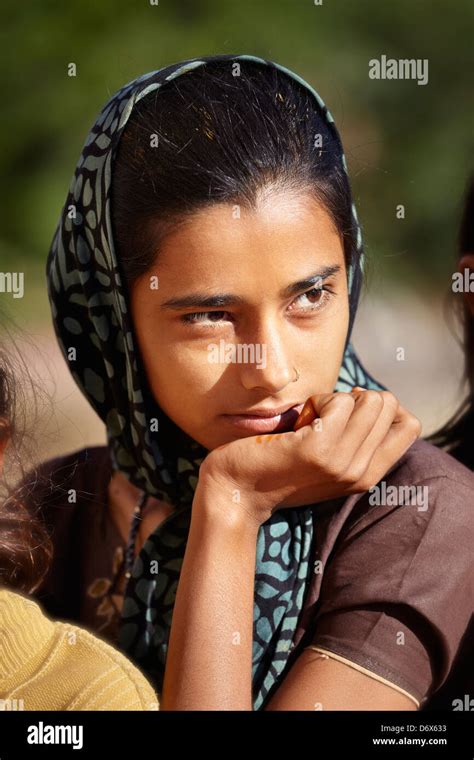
[{"x": 397, "y": 592}]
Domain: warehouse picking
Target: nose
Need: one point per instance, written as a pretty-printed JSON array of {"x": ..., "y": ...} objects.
[{"x": 274, "y": 366}]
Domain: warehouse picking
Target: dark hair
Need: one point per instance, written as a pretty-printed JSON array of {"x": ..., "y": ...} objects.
[
  {"x": 25, "y": 547},
  {"x": 221, "y": 138},
  {"x": 457, "y": 436}
]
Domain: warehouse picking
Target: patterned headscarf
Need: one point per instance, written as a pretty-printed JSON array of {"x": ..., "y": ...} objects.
[{"x": 92, "y": 321}]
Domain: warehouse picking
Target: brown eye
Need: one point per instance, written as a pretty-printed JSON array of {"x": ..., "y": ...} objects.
[{"x": 312, "y": 299}]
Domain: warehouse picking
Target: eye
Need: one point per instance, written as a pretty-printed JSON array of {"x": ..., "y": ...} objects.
[
  {"x": 196, "y": 317},
  {"x": 316, "y": 299},
  {"x": 320, "y": 295}
]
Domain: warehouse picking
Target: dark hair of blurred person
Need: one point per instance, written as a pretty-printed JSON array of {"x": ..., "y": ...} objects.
[
  {"x": 457, "y": 435},
  {"x": 25, "y": 546}
]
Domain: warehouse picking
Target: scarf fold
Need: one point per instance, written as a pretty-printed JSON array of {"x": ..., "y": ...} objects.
[{"x": 92, "y": 322}]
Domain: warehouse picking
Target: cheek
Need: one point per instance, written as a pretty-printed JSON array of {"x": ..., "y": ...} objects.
[
  {"x": 180, "y": 376},
  {"x": 177, "y": 375},
  {"x": 324, "y": 351},
  {"x": 329, "y": 358},
  {"x": 332, "y": 329},
  {"x": 182, "y": 383}
]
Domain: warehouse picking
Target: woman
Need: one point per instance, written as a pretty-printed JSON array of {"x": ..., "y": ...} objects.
[
  {"x": 204, "y": 279},
  {"x": 48, "y": 665}
]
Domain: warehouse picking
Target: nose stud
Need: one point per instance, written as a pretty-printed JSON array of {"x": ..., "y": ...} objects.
[{"x": 297, "y": 375}]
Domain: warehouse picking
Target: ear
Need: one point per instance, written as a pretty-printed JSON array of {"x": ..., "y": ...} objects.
[{"x": 467, "y": 262}]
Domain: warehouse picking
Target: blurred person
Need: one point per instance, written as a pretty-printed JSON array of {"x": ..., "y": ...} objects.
[
  {"x": 457, "y": 437},
  {"x": 45, "y": 664},
  {"x": 242, "y": 563}
]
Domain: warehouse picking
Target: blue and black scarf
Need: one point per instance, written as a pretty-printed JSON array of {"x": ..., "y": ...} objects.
[{"x": 93, "y": 325}]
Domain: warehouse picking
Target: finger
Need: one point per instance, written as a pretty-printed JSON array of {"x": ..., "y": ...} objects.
[
  {"x": 403, "y": 433},
  {"x": 364, "y": 452},
  {"x": 332, "y": 412},
  {"x": 368, "y": 407},
  {"x": 308, "y": 413}
]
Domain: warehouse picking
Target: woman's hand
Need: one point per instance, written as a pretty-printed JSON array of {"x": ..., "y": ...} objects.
[{"x": 347, "y": 443}]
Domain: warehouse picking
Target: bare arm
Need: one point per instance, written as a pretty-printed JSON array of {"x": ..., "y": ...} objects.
[
  {"x": 209, "y": 661},
  {"x": 316, "y": 683}
]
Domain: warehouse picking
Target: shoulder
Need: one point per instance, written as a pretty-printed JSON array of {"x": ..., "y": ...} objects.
[
  {"x": 20, "y": 614},
  {"x": 62, "y": 467},
  {"x": 110, "y": 681},
  {"x": 423, "y": 461},
  {"x": 414, "y": 524},
  {"x": 397, "y": 589},
  {"x": 48, "y": 481},
  {"x": 39, "y": 651},
  {"x": 66, "y": 494},
  {"x": 426, "y": 486}
]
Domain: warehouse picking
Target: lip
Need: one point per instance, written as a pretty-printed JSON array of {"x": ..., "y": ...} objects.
[{"x": 280, "y": 419}]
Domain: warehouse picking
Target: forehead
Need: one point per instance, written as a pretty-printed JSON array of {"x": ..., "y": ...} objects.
[{"x": 285, "y": 231}]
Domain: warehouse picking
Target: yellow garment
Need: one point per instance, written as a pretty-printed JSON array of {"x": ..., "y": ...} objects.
[{"x": 48, "y": 665}]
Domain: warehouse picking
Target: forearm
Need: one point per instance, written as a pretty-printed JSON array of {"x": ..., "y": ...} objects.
[{"x": 209, "y": 660}]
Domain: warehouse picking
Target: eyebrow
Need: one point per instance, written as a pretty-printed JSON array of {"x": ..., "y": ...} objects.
[{"x": 201, "y": 300}]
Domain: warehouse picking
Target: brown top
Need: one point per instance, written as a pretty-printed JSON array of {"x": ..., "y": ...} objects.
[{"x": 393, "y": 590}]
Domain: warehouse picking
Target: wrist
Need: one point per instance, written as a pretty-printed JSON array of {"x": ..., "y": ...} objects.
[{"x": 223, "y": 502}]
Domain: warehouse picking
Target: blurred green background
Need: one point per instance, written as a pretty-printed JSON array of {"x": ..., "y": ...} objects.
[{"x": 405, "y": 143}]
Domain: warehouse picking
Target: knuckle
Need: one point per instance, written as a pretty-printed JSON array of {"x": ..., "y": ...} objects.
[
  {"x": 414, "y": 425},
  {"x": 344, "y": 402},
  {"x": 373, "y": 399},
  {"x": 348, "y": 476},
  {"x": 320, "y": 399},
  {"x": 354, "y": 474},
  {"x": 344, "y": 397},
  {"x": 348, "y": 397},
  {"x": 411, "y": 423},
  {"x": 390, "y": 401}
]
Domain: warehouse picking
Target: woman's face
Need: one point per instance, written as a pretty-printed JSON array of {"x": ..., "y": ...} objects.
[{"x": 233, "y": 305}]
